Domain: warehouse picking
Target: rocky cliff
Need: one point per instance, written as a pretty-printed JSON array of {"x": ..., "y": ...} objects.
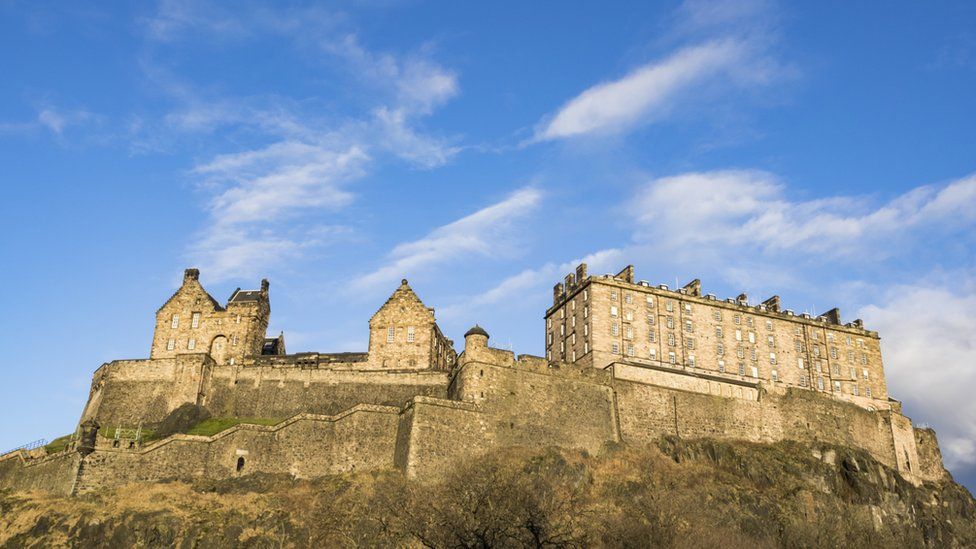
[{"x": 675, "y": 493}]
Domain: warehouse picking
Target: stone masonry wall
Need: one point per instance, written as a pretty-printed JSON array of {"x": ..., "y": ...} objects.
[
  {"x": 54, "y": 474},
  {"x": 305, "y": 446}
]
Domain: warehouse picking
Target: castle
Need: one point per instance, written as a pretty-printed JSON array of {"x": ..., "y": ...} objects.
[{"x": 625, "y": 362}]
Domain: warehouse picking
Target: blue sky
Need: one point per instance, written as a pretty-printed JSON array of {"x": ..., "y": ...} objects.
[{"x": 821, "y": 152}]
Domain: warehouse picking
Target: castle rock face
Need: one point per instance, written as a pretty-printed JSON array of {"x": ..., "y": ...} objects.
[{"x": 625, "y": 362}]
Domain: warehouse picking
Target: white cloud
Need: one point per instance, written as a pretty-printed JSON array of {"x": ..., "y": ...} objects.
[
  {"x": 487, "y": 232},
  {"x": 528, "y": 284},
  {"x": 750, "y": 209},
  {"x": 930, "y": 360},
  {"x": 642, "y": 95}
]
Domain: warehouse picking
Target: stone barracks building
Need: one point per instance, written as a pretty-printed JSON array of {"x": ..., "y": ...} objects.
[{"x": 625, "y": 362}]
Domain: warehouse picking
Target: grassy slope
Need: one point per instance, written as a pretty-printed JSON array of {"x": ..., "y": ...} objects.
[{"x": 674, "y": 494}]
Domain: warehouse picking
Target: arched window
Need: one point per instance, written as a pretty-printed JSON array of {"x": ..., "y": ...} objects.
[{"x": 240, "y": 464}]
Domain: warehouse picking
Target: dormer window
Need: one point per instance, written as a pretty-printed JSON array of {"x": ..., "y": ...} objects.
[{"x": 174, "y": 322}]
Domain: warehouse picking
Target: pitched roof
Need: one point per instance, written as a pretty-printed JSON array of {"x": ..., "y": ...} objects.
[
  {"x": 404, "y": 291},
  {"x": 243, "y": 296}
]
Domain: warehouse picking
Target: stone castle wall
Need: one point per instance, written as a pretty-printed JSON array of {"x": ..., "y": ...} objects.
[
  {"x": 127, "y": 393},
  {"x": 489, "y": 404}
]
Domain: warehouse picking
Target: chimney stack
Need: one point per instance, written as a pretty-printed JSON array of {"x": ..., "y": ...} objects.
[{"x": 191, "y": 274}]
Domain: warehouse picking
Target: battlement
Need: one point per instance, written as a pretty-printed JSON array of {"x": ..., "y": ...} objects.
[{"x": 575, "y": 282}]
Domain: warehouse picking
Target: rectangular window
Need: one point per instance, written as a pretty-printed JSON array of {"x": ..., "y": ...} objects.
[
  {"x": 820, "y": 383},
  {"x": 671, "y": 340},
  {"x": 721, "y": 366},
  {"x": 740, "y": 352},
  {"x": 803, "y": 381},
  {"x": 818, "y": 366},
  {"x": 573, "y": 321},
  {"x": 774, "y": 374},
  {"x": 755, "y": 372},
  {"x": 549, "y": 323},
  {"x": 717, "y": 315},
  {"x": 718, "y": 331},
  {"x": 753, "y": 356},
  {"x": 738, "y": 335},
  {"x": 799, "y": 363},
  {"x": 562, "y": 313},
  {"x": 586, "y": 347},
  {"x": 628, "y": 298},
  {"x": 864, "y": 358},
  {"x": 670, "y": 322},
  {"x": 836, "y": 386},
  {"x": 585, "y": 295},
  {"x": 687, "y": 307},
  {"x": 573, "y": 303},
  {"x": 867, "y": 391},
  {"x": 562, "y": 329},
  {"x": 769, "y": 324},
  {"x": 586, "y": 329},
  {"x": 752, "y": 337},
  {"x": 613, "y": 295},
  {"x": 749, "y": 321},
  {"x": 798, "y": 330},
  {"x": 737, "y": 319},
  {"x": 653, "y": 353},
  {"x": 174, "y": 322},
  {"x": 650, "y": 301},
  {"x": 690, "y": 343},
  {"x": 691, "y": 361},
  {"x": 410, "y": 334},
  {"x": 771, "y": 341},
  {"x": 833, "y": 352},
  {"x": 614, "y": 329},
  {"x": 742, "y": 369},
  {"x": 630, "y": 349},
  {"x": 390, "y": 333},
  {"x": 629, "y": 332},
  {"x": 830, "y": 336},
  {"x": 191, "y": 344},
  {"x": 613, "y": 310},
  {"x": 651, "y": 337},
  {"x": 574, "y": 356},
  {"x": 860, "y": 343},
  {"x": 816, "y": 336},
  {"x": 669, "y": 305},
  {"x": 816, "y": 350},
  {"x": 586, "y": 312},
  {"x": 650, "y": 320},
  {"x": 629, "y": 315},
  {"x": 237, "y": 320},
  {"x": 772, "y": 358},
  {"x": 865, "y": 372},
  {"x": 854, "y": 390},
  {"x": 720, "y": 349},
  {"x": 850, "y": 341},
  {"x": 672, "y": 358},
  {"x": 689, "y": 327},
  {"x": 171, "y": 344},
  {"x": 614, "y": 348},
  {"x": 550, "y": 339},
  {"x": 853, "y": 372},
  {"x": 195, "y": 320}
]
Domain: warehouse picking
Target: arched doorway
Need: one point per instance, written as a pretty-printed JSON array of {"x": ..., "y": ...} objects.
[{"x": 218, "y": 349}]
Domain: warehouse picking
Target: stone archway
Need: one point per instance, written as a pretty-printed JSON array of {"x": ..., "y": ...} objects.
[{"x": 218, "y": 349}]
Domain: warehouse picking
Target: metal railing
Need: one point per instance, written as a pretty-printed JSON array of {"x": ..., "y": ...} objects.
[{"x": 29, "y": 446}]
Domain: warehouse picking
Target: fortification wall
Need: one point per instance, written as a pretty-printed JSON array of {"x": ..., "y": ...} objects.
[
  {"x": 304, "y": 446},
  {"x": 281, "y": 392},
  {"x": 649, "y": 407},
  {"x": 54, "y": 474},
  {"x": 435, "y": 433},
  {"x": 127, "y": 392},
  {"x": 929, "y": 456}
]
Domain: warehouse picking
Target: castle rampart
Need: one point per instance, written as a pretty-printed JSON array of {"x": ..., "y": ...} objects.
[{"x": 380, "y": 410}]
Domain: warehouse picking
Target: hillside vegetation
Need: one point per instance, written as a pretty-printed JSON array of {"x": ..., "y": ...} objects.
[{"x": 674, "y": 494}]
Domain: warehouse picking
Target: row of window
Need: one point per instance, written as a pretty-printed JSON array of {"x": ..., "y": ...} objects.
[
  {"x": 391, "y": 334},
  {"x": 174, "y": 321}
]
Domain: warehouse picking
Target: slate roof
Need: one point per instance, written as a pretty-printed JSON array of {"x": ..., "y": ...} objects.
[{"x": 244, "y": 296}]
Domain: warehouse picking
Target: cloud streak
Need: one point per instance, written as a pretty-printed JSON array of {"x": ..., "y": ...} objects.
[{"x": 486, "y": 233}]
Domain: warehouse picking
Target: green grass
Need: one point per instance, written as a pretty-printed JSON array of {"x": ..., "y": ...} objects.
[
  {"x": 57, "y": 444},
  {"x": 215, "y": 425}
]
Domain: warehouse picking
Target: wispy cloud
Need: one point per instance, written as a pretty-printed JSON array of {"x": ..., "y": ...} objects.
[
  {"x": 751, "y": 210},
  {"x": 642, "y": 95},
  {"x": 729, "y": 44},
  {"x": 487, "y": 232},
  {"x": 930, "y": 359}
]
